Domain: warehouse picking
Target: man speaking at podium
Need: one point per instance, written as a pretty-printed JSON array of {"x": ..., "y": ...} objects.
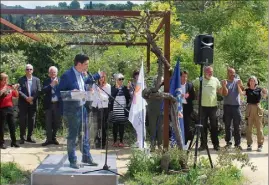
[{"x": 72, "y": 80}]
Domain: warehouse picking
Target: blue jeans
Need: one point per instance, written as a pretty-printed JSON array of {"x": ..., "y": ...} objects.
[{"x": 75, "y": 117}]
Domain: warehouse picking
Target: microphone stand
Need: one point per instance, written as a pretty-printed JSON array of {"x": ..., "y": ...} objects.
[{"x": 105, "y": 167}]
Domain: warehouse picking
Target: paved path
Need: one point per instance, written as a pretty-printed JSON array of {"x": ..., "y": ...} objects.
[{"x": 29, "y": 157}]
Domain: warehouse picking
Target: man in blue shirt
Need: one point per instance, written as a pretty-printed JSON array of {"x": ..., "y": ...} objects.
[{"x": 75, "y": 111}]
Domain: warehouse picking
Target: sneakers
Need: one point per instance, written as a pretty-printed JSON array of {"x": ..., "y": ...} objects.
[
  {"x": 74, "y": 165},
  {"x": 121, "y": 145},
  {"x": 259, "y": 148},
  {"x": 89, "y": 161},
  {"x": 249, "y": 148}
]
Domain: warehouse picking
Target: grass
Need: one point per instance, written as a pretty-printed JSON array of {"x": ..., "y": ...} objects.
[{"x": 12, "y": 173}]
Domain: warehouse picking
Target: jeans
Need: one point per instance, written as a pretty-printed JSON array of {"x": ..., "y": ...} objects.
[
  {"x": 232, "y": 113},
  {"x": 76, "y": 116}
]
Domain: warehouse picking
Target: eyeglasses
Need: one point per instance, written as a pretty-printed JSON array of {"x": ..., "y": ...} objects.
[
  {"x": 121, "y": 79},
  {"x": 29, "y": 69}
]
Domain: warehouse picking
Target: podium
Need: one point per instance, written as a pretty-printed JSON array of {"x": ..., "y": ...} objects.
[{"x": 78, "y": 118}]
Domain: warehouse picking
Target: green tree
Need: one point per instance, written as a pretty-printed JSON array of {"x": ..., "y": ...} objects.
[
  {"x": 74, "y": 5},
  {"x": 63, "y": 5}
]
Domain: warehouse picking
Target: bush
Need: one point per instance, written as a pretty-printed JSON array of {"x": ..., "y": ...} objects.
[
  {"x": 11, "y": 173},
  {"x": 146, "y": 169}
]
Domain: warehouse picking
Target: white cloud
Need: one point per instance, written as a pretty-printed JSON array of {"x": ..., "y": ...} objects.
[{"x": 33, "y": 4}]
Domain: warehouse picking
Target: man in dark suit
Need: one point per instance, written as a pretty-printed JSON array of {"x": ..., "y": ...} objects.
[
  {"x": 29, "y": 91},
  {"x": 74, "y": 111},
  {"x": 51, "y": 106},
  {"x": 188, "y": 96}
]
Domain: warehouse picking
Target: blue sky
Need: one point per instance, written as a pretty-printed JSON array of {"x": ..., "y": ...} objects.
[{"x": 33, "y": 4}]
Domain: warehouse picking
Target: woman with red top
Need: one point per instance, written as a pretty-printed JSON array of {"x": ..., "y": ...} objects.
[{"x": 6, "y": 109}]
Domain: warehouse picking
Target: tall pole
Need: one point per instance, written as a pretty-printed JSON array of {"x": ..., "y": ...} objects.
[{"x": 166, "y": 80}]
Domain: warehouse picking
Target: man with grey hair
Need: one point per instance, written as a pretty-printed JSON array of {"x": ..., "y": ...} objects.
[
  {"x": 29, "y": 91},
  {"x": 51, "y": 106},
  {"x": 211, "y": 86}
]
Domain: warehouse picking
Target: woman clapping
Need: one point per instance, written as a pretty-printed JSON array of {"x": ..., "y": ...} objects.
[{"x": 6, "y": 109}]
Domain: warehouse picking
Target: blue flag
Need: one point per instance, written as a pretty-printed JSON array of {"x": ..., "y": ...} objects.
[{"x": 175, "y": 90}]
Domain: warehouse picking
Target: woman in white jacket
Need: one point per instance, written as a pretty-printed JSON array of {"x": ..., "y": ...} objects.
[{"x": 100, "y": 103}]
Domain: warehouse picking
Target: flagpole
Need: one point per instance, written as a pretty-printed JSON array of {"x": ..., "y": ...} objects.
[{"x": 142, "y": 103}]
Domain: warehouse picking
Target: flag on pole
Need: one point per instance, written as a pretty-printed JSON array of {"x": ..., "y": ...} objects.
[
  {"x": 137, "y": 115},
  {"x": 176, "y": 91}
]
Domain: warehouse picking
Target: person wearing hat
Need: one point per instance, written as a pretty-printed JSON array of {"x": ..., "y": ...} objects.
[
  {"x": 119, "y": 108},
  {"x": 254, "y": 112}
]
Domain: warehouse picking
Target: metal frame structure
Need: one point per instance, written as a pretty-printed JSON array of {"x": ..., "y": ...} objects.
[{"x": 165, "y": 23}]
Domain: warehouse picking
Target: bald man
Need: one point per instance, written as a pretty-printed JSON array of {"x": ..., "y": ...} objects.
[
  {"x": 211, "y": 86},
  {"x": 231, "y": 109}
]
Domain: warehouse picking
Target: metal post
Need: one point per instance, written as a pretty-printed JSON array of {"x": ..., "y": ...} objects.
[{"x": 166, "y": 80}]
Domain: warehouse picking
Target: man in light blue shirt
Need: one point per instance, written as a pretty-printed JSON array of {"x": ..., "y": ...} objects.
[{"x": 75, "y": 112}]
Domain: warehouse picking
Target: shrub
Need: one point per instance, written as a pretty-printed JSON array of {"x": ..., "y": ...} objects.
[
  {"x": 145, "y": 169},
  {"x": 11, "y": 173}
]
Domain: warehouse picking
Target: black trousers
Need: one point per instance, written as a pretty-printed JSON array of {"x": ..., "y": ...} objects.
[
  {"x": 27, "y": 118},
  {"x": 118, "y": 127},
  {"x": 102, "y": 125},
  {"x": 210, "y": 113},
  {"x": 6, "y": 115},
  {"x": 53, "y": 121},
  {"x": 187, "y": 110},
  {"x": 232, "y": 113}
]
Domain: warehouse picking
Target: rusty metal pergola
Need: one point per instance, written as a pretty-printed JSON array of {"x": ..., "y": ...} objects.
[{"x": 165, "y": 23}]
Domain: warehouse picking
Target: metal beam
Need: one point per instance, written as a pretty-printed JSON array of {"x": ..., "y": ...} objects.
[
  {"x": 115, "y": 13},
  {"x": 67, "y": 31},
  {"x": 18, "y": 29},
  {"x": 108, "y": 43},
  {"x": 166, "y": 79}
]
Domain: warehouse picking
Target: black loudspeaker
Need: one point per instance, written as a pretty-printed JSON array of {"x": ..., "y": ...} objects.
[{"x": 203, "y": 49}]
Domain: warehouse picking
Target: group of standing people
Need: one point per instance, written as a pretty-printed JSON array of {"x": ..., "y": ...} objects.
[
  {"x": 112, "y": 103},
  {"x": 27, "y": 90},
  {"x": 107, "y": 101},
  {"x": 231, "y": 89}
]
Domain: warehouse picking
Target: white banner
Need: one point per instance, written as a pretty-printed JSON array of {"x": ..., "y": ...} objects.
[{"x": 137, "y": 115}]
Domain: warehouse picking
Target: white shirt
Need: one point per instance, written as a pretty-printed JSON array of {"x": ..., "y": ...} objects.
[
  {"x": 29, "y": 83},
  {"x": 183, "y": 87},
  {"x": 53, "y": 91},
  {"x": 100, "y": 98}
]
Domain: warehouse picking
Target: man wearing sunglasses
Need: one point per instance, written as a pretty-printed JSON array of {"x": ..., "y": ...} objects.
[{"x": 29, "y": 91}]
